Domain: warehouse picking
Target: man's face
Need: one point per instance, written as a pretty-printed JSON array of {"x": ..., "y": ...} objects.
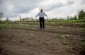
[{"x": 41, "y": 10}]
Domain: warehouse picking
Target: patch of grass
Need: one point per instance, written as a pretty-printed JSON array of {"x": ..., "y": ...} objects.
[
  {"x": 5, "y": 26},
  {"x": 82, "y": 47},
  {"x": 64, "y": 39},
  {"x": 82, "y": 44}
]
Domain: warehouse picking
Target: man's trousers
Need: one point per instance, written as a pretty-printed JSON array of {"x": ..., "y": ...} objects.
[{"x": 42, "y": 22}]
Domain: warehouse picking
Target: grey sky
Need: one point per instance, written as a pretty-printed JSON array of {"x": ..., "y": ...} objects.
[{"x": 29, "y": 8}]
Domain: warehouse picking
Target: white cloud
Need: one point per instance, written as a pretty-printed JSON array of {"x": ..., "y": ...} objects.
[
  {"x": 29, "y": 8},
  {"x": 9, "y": 6}
]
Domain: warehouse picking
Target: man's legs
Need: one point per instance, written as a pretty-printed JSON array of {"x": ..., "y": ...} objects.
[
  {"x": 40, "y": 20},
  {"x": 43, "y": 22}
]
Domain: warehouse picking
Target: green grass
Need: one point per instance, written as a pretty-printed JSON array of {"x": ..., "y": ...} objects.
[
  {"x": 52, "y": 22},
  {"x": 5, "y": 26},
  {"x": 66, "y": 21},
  {"x": 82, "y": 44}
]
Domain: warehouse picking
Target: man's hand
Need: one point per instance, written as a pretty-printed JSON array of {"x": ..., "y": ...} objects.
[
  {"x": 47, "y": 17},
  {"x": 35, "y": 16}
]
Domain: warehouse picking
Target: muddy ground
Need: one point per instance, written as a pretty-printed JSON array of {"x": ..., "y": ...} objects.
[{"x": 31, "y": 40}]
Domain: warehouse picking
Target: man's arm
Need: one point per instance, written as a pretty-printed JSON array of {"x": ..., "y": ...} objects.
[
  {"x": 37, "y": 15},
  {"x": 45, "y": 15}
]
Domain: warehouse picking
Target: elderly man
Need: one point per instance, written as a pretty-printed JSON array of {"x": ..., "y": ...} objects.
[{"x": 41, "y": 15}]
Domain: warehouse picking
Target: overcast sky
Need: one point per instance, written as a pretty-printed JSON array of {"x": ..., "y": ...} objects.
[{"x": 13, "y": 9}]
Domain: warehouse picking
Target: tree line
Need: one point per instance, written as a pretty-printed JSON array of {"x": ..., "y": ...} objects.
[{"x": 79, "y": 16}]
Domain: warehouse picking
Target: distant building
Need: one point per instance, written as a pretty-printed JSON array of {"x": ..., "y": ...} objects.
[
  {"x": 24, "y": 19},
  {"x": 28, "y": 19}
]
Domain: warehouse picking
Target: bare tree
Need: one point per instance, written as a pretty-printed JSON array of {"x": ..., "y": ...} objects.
[{"x": 1, "y": 15}]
